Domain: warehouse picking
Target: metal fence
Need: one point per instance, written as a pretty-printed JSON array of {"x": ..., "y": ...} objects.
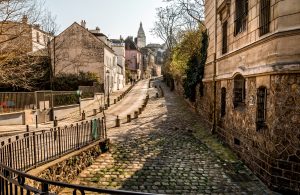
[
  {"x": 16, "y": 101},
  {"x": 35, "y": 148}
]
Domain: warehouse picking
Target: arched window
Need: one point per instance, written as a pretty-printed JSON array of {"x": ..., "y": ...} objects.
[
  {"x": 223, "y": 101},
  {"x": 239, "y": 92},
  {"x": 261, "y": 108}
]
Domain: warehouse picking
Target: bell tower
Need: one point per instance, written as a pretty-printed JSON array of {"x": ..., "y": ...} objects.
[{"x": 141, "y": 37}]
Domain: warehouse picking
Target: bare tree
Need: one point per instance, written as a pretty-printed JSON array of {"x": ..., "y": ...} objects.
[
  {"x": 20, "y": 67},
  {"x": 168, "y": 25},
  {"x": 194, "y": 8}
]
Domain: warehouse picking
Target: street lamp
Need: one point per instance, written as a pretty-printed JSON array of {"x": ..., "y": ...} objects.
[{"x": 107, "y": 72}]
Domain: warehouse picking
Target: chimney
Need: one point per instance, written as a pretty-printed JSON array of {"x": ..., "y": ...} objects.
[
  {"x": 97, "y": 29},
  {"x": 24, "y": 19},
  {"x": 83, "y": 23}
]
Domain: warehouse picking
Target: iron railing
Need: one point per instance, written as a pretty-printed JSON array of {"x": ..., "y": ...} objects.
[
  {"x": 13, "y": 182},
  {"x": 36, "y": 148}
]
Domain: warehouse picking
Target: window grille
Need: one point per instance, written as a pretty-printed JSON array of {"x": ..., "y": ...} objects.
[
  {"x": 241, "y": 13},
  {"x": 264, "y": 17},
  {"x": 261, "y": 107},
  {"x": 239, "y": 91},
  {"x": 224, "y": 37},
  {"x": 223, "y": 101}
]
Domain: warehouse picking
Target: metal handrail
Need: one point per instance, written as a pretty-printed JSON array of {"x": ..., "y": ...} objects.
[{"x": 18, "y": 179}]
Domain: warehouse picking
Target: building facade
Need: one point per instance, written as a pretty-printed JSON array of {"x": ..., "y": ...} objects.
[
  {"x": 251, "y": 86},
  {"x": 78, "y": 49},
  {"x": 133, "y": 60},
  {"x": 22, "y": 37},
  {"x": 118, "y": 45}
]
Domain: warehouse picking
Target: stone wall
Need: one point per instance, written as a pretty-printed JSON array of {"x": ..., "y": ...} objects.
[
  {"x": 272, "y": 153},
  {"x": 69, "y": 166}
]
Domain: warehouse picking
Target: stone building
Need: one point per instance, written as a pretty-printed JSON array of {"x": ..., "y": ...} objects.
[
  {"x": 251, "y": 89},
  {"x": 78, "y": 49},
  {"x": 22, "y": 37}
]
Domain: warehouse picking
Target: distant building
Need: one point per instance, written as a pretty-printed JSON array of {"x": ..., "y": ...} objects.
[
  {"x": 22, "y": 37},
  {"x": 78, "y": 49},
  {"x": 133, "y": 59},
  {"x": 141, "y": 37},
  {"x": 148, "y": 59},
  {"x": 118, "y": 45}
]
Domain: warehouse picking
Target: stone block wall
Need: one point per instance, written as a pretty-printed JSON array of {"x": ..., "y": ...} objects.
[{"x": 272, "y": 153}]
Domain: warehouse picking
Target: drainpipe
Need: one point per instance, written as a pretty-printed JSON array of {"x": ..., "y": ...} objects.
[{"x": 213, "y": 130}]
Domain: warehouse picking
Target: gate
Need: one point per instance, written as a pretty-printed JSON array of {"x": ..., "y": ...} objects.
[{"x": 44, "y": 104}]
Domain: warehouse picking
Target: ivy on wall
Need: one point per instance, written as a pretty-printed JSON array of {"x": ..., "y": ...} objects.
[{"x": 195, "y": 69}]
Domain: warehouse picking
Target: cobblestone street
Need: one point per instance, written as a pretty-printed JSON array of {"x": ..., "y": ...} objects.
[{"x": 167, "y": 151}]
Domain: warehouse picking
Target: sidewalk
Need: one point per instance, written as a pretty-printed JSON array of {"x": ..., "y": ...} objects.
[{"x": 10, "y": 130}]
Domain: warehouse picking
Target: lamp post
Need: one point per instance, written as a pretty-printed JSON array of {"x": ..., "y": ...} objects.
[{"x": 107, "y": 72}]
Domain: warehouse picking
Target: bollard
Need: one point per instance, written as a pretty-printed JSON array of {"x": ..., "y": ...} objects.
[
  {"x": 27, "y": 135},
  {"x": 136, "y": 114},
  {"x": 55, "y": 122},
  {"x": 140, "y": 110},
  {"x": 117, "y": 122},
  {"x": 83, "y": 115},
  {"x": 118, "y": 99},
  {"x": 128, "y": 118},
  {"x": 115, "y": 101},
  {"x": 95, "y": 112},
  {"x": 156, "y": 95}
]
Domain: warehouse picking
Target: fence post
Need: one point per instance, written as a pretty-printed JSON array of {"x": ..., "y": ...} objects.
[
  {"x": 55, "y": 122},
  {"x": 91, "y": 128},
  {"x": 77, "y": 134},
  {"x": 10, "y": 152},
  {"x": 27, "y": 135},
  {"x": 59, "y": 140},
  {"x": 34, "y": 149}
]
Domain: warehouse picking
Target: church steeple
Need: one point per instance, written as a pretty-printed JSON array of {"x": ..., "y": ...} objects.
[{"x": 141, "y": 37}]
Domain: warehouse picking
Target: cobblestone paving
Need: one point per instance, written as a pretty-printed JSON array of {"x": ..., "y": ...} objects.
[{"x": 158, "y": 153}]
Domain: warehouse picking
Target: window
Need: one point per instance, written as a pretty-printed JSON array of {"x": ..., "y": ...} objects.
[
  {"x": 261, "y": 108},
  {"x": 37, "y": 37},
  {"x": 241, "y": 13},
  {"x": 264, "y": 17},
  {"x": 239, "y": 91},
  {"x": 223, "y": 101},
  {"x": 224, "y": 37}
]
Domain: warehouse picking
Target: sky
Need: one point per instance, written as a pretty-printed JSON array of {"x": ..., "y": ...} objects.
[{"x": 113, "y": 17}]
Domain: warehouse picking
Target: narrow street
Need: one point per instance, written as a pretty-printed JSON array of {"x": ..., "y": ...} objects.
[{"x": 159, "y": 153}]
